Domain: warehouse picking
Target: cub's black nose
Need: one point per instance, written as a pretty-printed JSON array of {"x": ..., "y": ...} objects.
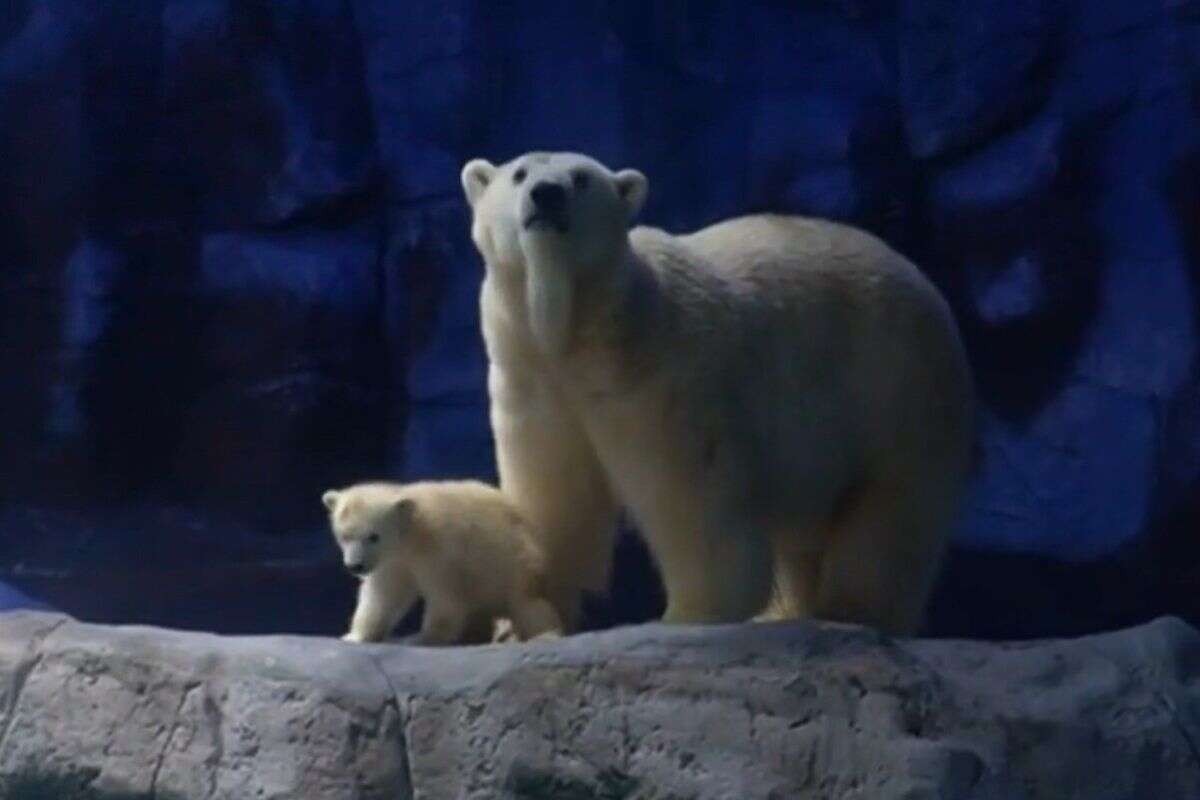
[
  {"x": 548, "y": 196},
  {"x": 358, "y": 568}
]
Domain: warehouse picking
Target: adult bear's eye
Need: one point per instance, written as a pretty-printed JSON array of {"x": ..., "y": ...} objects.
[
  {"x": 580, "y": 179},
  {"x": 519, "y": 175},
  {"x": 373, "y": 538}
]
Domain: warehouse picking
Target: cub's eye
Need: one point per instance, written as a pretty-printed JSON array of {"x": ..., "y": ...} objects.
[
  {"x": 519, "y": 175},
  {"x": 373, "y": 538},
  {"x": 580, "y": 179}
]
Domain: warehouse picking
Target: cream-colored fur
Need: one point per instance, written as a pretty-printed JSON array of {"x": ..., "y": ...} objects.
[
  {"x": 458, "y": 544},
  {"x": 770, "y": 397}
]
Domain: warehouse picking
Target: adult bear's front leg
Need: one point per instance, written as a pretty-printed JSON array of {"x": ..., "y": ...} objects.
[{"x": 549, "y": 470}]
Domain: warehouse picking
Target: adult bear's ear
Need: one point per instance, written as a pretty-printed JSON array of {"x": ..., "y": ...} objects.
[
  {"x": 404, "y": 509},
  {"x": 330, "y": 499},
  {"x": 631, "y": 187},
  {"x": 476, "y": 176}
]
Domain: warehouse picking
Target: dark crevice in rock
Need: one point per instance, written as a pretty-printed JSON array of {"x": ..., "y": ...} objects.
[
  {"x": 188, "y": 688},
  {"x": 1179, "y": 724},
  {"x": 403, "y": 709}
]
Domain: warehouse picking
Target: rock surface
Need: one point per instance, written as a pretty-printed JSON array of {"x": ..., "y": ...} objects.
[{"x": 768, "y": 711}]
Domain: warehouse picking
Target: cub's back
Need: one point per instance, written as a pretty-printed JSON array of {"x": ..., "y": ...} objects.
[{"x": 475, "y": 526}]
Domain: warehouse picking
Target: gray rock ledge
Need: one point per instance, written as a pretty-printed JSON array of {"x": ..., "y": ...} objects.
[{"x": 763, "y": 711}]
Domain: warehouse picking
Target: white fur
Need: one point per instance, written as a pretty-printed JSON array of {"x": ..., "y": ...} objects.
[
  {"x": 770, "y": 397},
  {"x": 458, "y": 544}
]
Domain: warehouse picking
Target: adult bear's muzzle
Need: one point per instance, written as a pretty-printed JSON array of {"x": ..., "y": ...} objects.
[{"x": 549, "y": 207}]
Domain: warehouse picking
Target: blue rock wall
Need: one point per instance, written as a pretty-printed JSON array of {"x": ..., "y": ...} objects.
[
  {"x": 235, "y": 265},
  {"x": 12, "y": 600}
]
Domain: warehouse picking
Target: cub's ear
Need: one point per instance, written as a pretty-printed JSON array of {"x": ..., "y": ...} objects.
[
  {"x": 476, "y": 176},
  {"x": 330, "y": 499},
  {"x": 631, "y": 187}
]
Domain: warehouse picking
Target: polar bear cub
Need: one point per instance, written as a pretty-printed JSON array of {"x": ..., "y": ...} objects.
[
  {"x": 783, "y": 404},
  {"x": 460, "y": 545}
]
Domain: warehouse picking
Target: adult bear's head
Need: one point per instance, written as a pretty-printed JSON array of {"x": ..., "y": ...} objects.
[
  {"x": 549, "y": 223},
  {"x": 564, "y": 205}
]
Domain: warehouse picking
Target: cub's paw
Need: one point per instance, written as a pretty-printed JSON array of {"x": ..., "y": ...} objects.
[{"x": 503, "y": 632}]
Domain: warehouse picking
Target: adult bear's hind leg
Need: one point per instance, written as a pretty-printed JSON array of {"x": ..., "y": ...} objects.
[
  {"x": 882, "y": 558},
  {"x": 797, "y": 573},
  {"x": 712, "y": 573}
]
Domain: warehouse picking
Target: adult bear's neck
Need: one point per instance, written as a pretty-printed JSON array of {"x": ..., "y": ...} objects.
[
  {"x": 596, "y": 323},
  {"x": 615, "y": 311}
]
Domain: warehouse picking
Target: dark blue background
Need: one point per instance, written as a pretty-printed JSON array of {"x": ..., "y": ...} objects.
[{"x": 235, "y": 266}]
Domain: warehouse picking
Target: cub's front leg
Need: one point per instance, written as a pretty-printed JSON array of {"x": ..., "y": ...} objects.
[
  {"x": 383, "y": 599},
  {"x": 444, "y": 624}
]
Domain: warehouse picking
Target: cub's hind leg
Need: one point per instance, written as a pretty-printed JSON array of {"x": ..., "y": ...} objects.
[{"x": 533, "y": 617}]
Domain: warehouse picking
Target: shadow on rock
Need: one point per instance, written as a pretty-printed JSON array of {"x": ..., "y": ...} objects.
[{"x": 33, "y": 786}]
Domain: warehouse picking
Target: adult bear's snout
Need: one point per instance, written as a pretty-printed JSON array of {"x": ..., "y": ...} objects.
[
  {"x": 550, "y": 198},
  {"x": 549, "y": 207}
]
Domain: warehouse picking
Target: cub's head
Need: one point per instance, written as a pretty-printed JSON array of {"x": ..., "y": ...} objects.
[
  {"x": 368, "y": 521},
  {"x": 563, "y": 203}
]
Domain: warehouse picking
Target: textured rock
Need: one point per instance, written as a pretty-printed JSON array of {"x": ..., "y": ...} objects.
[{"x": 769, "y": 711}]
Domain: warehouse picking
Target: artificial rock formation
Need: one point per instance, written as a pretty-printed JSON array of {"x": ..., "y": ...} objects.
[{"x": 764, "y": 711}]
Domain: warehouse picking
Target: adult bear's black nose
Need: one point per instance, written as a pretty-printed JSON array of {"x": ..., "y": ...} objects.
[{"x": 547, "y": 196}]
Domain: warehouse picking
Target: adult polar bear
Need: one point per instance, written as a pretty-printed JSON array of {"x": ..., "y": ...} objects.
[{"x": 770, "y": 397}]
